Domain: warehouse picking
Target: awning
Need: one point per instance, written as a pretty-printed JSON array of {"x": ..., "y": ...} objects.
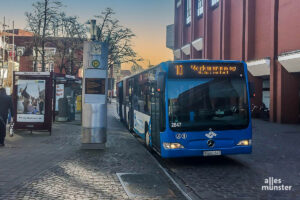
[
  {"x": 198, "y": 44},
  {"x": 186, "y": 49},
  {"x": 259, "y": 67},
  {"x": 177, "y": 53},
  {"x": 290, "y": 61}
]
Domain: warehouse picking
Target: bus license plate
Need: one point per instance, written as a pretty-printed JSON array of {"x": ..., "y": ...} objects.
[{"x": 211, "y": 153}]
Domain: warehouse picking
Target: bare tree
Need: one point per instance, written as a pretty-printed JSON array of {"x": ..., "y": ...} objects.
[
  {"x": 119, "y": 39},
  {"x": 34, "y": 23},
  {"x": 136, "y": 68},
  {"x": 70, "y": 35},
  {"x": 41, "y": 22}
]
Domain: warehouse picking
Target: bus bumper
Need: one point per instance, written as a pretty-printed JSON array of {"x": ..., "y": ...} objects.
[{"x": 175, "y": 153}]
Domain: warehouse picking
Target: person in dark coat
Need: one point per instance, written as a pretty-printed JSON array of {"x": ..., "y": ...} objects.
[
  {"x": 5, "y": 105},
  {"x": 26, "y": 99}
]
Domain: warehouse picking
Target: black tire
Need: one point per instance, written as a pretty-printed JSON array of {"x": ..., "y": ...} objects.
[
  {"x": 147, "y": 139},
  {"x": 129, "y": 124}
]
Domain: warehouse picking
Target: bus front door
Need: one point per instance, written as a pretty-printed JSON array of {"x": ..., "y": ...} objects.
[{"x": 155, "y": 117}]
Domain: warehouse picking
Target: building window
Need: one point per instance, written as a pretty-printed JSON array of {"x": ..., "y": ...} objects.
[
  {"x": 39, "y": 67},
  {"x": 199, "y": 7},
  {"x": 214, "y": 3},
  {"x": 178, "y": 4},
  {"x": 47, "y": 67},
  {"x": 188, "y": 11},
  {"x": 51, "y": 67}
]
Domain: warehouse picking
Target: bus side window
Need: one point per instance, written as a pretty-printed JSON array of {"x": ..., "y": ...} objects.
[
  {"x": 148, "y": 98},
  {"x": 135, "y": 94}
]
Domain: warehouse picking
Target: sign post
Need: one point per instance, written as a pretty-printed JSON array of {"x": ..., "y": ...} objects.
[{"x": 94, "y": 95}]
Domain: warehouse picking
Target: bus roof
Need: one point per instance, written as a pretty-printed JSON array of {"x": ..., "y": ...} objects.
[{"x": 183, "y": 61}]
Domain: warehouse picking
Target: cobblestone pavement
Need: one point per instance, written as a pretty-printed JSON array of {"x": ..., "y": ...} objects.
[
  {"x": 26, "y": 155},
  {"x": 276, "y": 153},
  {"x": 39, "y": 166}
]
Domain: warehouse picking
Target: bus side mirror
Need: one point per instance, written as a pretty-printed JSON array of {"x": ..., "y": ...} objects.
[
  {"x": 161, "y": 82},
  {"x": 251, "y": 89}
]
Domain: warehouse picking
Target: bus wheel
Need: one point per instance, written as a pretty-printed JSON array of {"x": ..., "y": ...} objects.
[
  {"x": 129, "y": 125},
  {"x": 147, "y": 141}
]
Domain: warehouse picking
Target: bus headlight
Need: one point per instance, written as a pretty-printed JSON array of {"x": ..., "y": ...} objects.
[
  {"x": 244, "y": 143},
  {"x": 172, "y": 146}
]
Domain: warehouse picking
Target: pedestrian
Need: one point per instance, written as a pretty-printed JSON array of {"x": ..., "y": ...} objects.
[
  {"x": 26, "y": 99},
  {"x": 5, "y": 105}
]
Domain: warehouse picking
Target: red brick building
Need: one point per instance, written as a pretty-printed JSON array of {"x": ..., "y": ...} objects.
[
  {"x": 24, "y": 53},
  {"x": 264, "y": 33}
]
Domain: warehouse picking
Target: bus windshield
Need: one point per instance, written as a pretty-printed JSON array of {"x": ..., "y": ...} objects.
[{"x": 201, "y": 104}]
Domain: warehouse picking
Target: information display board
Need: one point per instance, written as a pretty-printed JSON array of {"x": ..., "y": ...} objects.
[
  {"x": 205, "y": 69},
  {"x": 32, "y": 99},
  {"x": 95, "y": 86}
]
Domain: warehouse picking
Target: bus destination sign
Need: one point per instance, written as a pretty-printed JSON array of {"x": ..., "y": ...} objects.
[{"x": 196, "y": 70}]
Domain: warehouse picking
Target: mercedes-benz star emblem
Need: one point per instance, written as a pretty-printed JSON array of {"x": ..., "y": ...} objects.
[{"x": 210, "y": 143}]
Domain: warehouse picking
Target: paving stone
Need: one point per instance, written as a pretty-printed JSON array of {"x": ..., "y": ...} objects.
[{"x": 63, "y": 171}]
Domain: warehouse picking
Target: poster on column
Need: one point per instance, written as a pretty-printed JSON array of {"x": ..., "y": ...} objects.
[
  {"x": 31, "y": 100},
  {"x": 59, "y": 94}
]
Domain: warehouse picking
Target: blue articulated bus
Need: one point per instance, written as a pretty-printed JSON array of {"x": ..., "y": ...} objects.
[{"x": 189, "y": 108}]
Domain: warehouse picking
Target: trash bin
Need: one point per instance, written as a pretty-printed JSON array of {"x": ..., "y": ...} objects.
[
  {"x": 63, "y": 110},
  {"x": 71, "y": 105}
]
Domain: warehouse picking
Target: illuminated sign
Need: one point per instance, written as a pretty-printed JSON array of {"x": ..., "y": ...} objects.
[
  {"x": 179, "y": 70},
  {"x": 196, "y": 70},
  {"x": 213, "y": 70}
]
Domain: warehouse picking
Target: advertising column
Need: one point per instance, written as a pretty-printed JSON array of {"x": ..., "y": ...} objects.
[{"x": 94, "y": 95}]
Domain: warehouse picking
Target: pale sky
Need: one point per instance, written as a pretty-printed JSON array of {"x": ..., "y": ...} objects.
[{"x": 146, "y": 18}]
